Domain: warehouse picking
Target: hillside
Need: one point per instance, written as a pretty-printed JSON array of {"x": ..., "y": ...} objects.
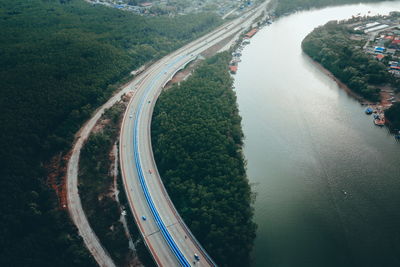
[{"x": 60, "y": 60}]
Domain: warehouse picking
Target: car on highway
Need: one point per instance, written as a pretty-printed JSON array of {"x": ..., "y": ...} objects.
[
  {"x": 144, "y": 218},
  {"x": 196, "y": 257}
]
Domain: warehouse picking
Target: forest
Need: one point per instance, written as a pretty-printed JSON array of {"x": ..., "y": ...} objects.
[
  {"x": 197, "y": 144},
  {"x": 288, "y": 6},
  {"x": 98, "y": 193},
  {"x": 59, "y": 61},
  {"x": 331, "y": 46}
]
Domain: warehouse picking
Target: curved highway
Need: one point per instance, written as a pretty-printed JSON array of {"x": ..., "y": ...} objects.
[{"x": 167, "y": 237}]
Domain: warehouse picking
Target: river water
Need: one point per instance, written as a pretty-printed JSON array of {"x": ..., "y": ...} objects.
[{"x": 327, "y": 180}]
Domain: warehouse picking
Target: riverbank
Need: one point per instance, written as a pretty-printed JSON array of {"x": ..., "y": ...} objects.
[
  {"x": 287, "y": 7},
  {"x": 339, "y": 49},
  {"x": 362, "y": 100},
  {"x": 379, "y": 108},
  {"x": 341, "y": 84}
]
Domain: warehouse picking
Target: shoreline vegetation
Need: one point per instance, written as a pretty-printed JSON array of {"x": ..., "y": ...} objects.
[
  {"x": 339, "y": 82},
  {"x": 342, "y": 53},
  {"x": 197, "y": 144},
  {"x": 60, "y": 61}
]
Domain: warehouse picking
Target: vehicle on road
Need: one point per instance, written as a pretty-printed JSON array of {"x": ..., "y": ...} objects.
[{"x": 144, "y": 218}]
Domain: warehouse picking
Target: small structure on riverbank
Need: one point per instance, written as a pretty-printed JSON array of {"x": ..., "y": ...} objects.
[
  {"x": 251, "y": 33},
  {"x": 233, "y": 69}
]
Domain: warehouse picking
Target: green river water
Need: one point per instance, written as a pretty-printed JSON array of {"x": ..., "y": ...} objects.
[{"x": 327, "y": 180}]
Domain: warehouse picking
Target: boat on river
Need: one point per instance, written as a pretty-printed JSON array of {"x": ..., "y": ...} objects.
[
  {"x": 379, "y": 122},
  {"x": 369, "y": 111},
  {"x": 397, "y": 135}
]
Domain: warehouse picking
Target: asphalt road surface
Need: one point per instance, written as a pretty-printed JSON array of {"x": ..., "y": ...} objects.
[{"x": 167, "y": 237}]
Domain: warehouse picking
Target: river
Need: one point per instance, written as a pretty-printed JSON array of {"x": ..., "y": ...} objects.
[{"x": 327, "y": 180}]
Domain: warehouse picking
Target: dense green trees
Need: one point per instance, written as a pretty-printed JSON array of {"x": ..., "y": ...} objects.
[
  {"x": 95, "y": 182},
  {"x": 331, "y": 46},
  {"x": 287, "y": 6},
  {"x": 197, "y": 142},
  {"x": 58, "y": 59},
  {"x": 393, "y": 115}
]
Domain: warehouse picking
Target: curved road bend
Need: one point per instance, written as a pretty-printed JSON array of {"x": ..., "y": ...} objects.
[
  {"x": 74, "y": 203},
  {"x": 167, "y": 237}
]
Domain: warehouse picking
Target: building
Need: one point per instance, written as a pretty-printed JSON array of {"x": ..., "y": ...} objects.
[{"x": 380, "y": 57}]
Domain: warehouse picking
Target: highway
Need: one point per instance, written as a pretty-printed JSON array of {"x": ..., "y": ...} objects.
[{"x": 167, "y": 237}]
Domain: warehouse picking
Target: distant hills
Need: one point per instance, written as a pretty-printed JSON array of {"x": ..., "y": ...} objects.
[{"x": 288, "y": 6}]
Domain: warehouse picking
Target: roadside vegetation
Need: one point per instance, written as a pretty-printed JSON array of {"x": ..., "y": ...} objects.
[
  {"x": 96, "y": 185},
  {"x": 59, "y": 60},
  {"x": 197, "y": 143},
  {"x": 289, "y": 6},
  {"x": 98, "y": 193},
  {"x": 331, "y": 46}
]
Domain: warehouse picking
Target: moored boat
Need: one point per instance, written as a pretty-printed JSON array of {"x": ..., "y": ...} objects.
[
  {"x": 397, "y": 136},
  {"x": 379, "y": 122},
  {"x": 369, "y": 111}
]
